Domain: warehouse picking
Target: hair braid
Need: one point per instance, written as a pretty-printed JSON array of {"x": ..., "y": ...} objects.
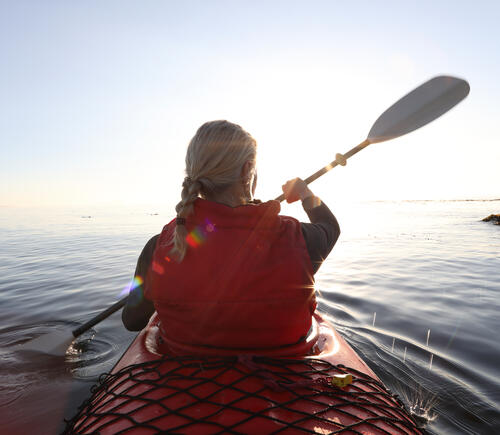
[
  {"x": 214, "y": 159},
  {"x": 184, "y": 208}
]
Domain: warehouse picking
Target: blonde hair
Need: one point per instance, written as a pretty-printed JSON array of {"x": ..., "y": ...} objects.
[{"x": 214, "y": 161}]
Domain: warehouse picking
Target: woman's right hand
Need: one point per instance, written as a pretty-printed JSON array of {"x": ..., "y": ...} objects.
[{"x": 296, "y": 189}]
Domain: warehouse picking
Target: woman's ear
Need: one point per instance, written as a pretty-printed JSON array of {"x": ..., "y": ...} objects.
[
  {"x": 254, "y": 182},
  {"x": 247, "y": 171},
  {"x": 249, "y": 178}
]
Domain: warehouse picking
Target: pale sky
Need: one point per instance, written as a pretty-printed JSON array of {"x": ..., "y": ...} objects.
[{"x": 98, "y": 99}]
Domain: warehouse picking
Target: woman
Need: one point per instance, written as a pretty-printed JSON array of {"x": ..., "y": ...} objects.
[{"x": 229, "y": 271}]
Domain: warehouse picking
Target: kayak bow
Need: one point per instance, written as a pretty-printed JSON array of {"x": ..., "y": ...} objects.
[{"x": 318, "y": 386}]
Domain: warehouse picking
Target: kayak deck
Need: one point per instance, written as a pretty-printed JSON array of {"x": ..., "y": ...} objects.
[{"x": 245, "y": 394}]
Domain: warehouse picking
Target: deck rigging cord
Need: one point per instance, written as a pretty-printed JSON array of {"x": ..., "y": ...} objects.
[{"x": 223, "y": 394}]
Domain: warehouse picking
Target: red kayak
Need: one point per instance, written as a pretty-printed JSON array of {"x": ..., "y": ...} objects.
[{"x": 318, "y": 386}]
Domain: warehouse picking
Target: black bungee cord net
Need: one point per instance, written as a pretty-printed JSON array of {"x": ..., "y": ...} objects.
[{"x": 239, "y": 395}]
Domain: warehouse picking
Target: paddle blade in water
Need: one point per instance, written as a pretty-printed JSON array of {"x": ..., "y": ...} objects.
[
  {"x": 421, "y": 106},
  {"x": 57, "y": 342},
  {"x": 54, "y": 343}
]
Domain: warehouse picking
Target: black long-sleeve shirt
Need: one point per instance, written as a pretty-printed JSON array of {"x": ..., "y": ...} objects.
[
  {"x": 322, "y": 233},
  {"x": 320, "y": 236}
]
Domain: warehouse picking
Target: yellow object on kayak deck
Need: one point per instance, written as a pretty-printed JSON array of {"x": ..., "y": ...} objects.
[{"x": 341, "y": 380}]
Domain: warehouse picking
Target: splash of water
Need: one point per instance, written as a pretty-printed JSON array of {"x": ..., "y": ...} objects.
[
  {"x": 421, "y": 408},
  {"x": 420, "y": 402}
]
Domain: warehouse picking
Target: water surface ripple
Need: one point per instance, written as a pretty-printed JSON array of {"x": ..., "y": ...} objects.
[{"x": 413, "y": 286}]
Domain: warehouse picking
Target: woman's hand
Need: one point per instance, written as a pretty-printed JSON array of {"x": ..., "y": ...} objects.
[{"x": 296, "y": 189}]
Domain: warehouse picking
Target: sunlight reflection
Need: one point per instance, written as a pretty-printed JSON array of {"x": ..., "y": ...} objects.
[
  {"x": 452, "y": 338},
  {"x": 195, "y": 237},
  {"x": 157, "y": 268},
  {"x": 136, "y": 282},
  {"x": 199, "y": 234}
]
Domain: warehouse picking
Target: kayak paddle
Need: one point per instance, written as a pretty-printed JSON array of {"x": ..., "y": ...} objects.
[
  {"x": 57, "y": 342},
  {"x": 422, "y": 105},
  {"x": 416, "y": 109}
]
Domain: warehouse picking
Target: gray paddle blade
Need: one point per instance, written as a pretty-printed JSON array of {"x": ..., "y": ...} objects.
[
  {"x": 421, "y": 106},
  {"x": 54, "y": 343}
]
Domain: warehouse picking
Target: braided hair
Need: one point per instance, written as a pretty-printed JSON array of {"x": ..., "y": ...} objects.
[{"x": 214, "y": 160}]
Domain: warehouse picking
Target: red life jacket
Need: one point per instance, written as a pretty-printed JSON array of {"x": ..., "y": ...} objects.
[{"x": 246, "y": 280}]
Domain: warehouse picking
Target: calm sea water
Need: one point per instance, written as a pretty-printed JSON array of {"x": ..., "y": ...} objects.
[{"x": 413, "y": 286}]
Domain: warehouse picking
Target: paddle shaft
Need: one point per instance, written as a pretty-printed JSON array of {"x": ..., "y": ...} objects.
[
  {"x": 331, "y": 165},
  {"x": 106, "y": 313}
]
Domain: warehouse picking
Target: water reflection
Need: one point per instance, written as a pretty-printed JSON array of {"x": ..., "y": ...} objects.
[
  {"x": 39, "y": 390},
  {"x": 413, "y": 288}
]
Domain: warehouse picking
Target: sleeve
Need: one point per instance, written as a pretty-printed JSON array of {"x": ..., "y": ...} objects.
[
  {"x": 144, "y": 263},
  {"x": 139, "y": 308},
  {"x": 322, "y": 233}
]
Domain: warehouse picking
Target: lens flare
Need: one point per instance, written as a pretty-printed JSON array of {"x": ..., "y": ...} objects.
[
  {"x": 136, "y": 282},
  {"x": 195, "y": 237},
  {"x": 199, "y": 234},
  {"x": 209, "y": 226},
  {"x": 158, "y": 268}
]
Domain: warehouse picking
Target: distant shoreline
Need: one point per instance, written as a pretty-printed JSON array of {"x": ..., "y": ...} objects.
[
  {"x": 125, "y": 206},
  {"x": 434, "y": 200}
]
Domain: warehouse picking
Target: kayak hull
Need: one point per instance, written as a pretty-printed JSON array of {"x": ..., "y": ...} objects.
[{"x": 288, "y": 390}]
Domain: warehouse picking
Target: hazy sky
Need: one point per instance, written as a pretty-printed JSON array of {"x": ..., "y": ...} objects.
[{"x": 98, "y": 99}]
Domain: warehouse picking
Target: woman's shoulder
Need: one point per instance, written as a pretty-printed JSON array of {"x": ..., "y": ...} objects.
[
  {"x": 151, "y": 243},
  {"x": 149, "y": 247}
]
